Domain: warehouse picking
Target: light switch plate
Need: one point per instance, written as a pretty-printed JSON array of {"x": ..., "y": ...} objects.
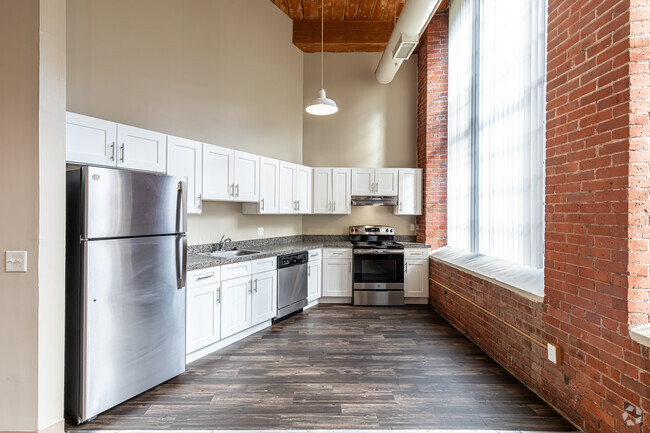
[
  {"x": 554, "y": 353},
  {"x": 16, "y": 261},
  {"x": 412, "y": 227},
  {"x": 260, "y": 231}
]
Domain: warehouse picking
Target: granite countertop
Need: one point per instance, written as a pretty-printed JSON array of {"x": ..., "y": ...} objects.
[{"x": 197, "y": 261}]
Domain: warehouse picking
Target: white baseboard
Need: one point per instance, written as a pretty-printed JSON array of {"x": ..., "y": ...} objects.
[
  {"x": 200, "y": 353},
  {"x": 311, "y": 304}
]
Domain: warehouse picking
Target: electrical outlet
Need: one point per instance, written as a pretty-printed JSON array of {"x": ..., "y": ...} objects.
[
  {"x": 412, "y": 227},
  {"x": 260, "y": 231},
  {"x": 554, "y": 353},
  {"x": 16, "y": 261}
]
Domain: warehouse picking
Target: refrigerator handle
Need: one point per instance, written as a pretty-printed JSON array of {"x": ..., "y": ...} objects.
[
  {"x": 181, "y": 257},
  {"x": 180, "y": 215}
]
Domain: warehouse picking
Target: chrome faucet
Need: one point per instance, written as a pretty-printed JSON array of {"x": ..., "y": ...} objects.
[{"x": 222, "y": 243}]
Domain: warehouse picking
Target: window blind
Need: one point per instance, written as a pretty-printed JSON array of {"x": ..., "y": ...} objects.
[{"x": 496, "y": 175}]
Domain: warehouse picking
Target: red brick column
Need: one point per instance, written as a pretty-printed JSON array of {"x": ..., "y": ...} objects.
[{"x": 432, "y": 130}]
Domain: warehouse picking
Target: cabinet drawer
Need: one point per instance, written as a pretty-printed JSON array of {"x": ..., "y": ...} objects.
[
  {"x": 338, "y": 253},
  {"x": 235, "y": 270},
  {"x": 263, "y": 265},
  {"x": 315, "y": 254},
  {"x": 203, "y": 277},
  {"x": 416, "y": 253}
]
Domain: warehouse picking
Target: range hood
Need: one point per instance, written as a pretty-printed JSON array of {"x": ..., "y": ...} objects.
[{"x": 374, "y": 200}]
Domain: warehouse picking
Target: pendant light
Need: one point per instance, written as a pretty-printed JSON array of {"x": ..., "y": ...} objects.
[{"x": 322, "y": 105}]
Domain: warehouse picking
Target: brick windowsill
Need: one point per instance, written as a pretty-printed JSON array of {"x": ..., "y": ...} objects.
[{"x": 522, "y": 280}]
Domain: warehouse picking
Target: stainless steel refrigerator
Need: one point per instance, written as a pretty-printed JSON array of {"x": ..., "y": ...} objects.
[{"x": 125, "y": 286}]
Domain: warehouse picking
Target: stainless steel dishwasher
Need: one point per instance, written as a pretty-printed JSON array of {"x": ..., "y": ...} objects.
[{"x": 292, "y": 284}]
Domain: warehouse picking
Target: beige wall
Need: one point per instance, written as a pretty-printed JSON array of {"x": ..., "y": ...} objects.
[
  {"x": 32, "y": 163},
  {"x": 375, "y": 127},
  {"x": 218, "y": 71}
]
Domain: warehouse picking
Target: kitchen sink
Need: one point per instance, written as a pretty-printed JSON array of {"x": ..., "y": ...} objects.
[{"x": 231, "y": 253}]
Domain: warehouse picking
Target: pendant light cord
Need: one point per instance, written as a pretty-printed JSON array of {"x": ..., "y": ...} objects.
[{"x": 322, "y": 43}]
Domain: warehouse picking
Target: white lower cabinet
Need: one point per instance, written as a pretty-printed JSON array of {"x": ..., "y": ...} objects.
[
  {"x": 203, "y": 316},
  {"x": 337, "y": 272},
  {"x": 264, "y": 296},
  {"x": 235, "y": 305},
  {"x": 314, "y": 275},
  {"x": 416, "y": 273}
]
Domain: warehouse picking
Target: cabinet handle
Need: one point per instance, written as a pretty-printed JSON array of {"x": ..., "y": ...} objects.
[
  {"x": 218, "y": 295},
  {"x": 308, "y": 270},
  {"x": 298, "y": 208},
  {"x": 237, "y": 188},
  {"x": 205, "y": 277},
  {"x": 406, "y": 268},
  {"x": 255, "y": 285},
  {"x": 250, "y": 287},
  {"x": 334, "y": 206},
  {"x": 262, "y": 203},
  {"x": 122, "y": 152},
  {"x": 350, "y": 264},
  {"x": 199, "y": 197},
  {"x": 376, "y": 186},
  {"x": 232, "y": 189},
  {"x": 113, "y": 151},
  {"x": 400, "y": 206}
]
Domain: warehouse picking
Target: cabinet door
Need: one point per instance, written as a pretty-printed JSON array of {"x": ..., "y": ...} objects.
[
  {"x": 202, "y": 316},
  {"x": 141, "y": 149},
  {"x": 269, "y": 186},
  {"x": 313, "y": 280},
  {"x": 287, "y": 188},
  {"x": 303, "y": 189},
  {"x": 363, "y": 181},
  {"x": 218, "y": 167},
  {"x": 90, "y": 141},
  {"x": 235, "y": 305},
  {"x": 337, "y": 277},
  {"x": 322, "y": 190},
  {"x": 247, "y": 177},
  {"x": 265, "y": 289},
  {"x": 341, "y": 189},
  {"x": 184, "y": 159},
  {"x": 409, "y": 200},
  {"x": 386, "y": 181},
  {"x": 416, "y": 278}
]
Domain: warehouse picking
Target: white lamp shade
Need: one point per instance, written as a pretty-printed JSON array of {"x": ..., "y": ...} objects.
[{"x": 322, "y": 106}]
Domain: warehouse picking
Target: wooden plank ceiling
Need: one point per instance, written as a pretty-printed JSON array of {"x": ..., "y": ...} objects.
[{"x": 350, "y": 25}]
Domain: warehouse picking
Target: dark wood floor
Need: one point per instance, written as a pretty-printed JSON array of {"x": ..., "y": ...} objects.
[{"x": 342, "y": 367}]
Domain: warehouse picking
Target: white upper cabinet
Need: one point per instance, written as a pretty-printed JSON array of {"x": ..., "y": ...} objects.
[
  {"x": 269, "y": 202},
  {"x": 322, "y": 190},
  {"x": 341, "y": 189},
  {"x": 287, "y": 188},
  {"x": 90, "y": 141},
  {"x": 303, "y": 189},
  {"x": 218, "y": 176},
  {"x": 409, "y": 201},
  {"x": 247, "y": 177},
  {"x": 141, "y": 149},
  {"x": 371, "y": 181},
  {"x": 184, "y": 158},
  {"x": 332, "y": 190},
  {"x": 386, "y": 181},
  {"x": 363, "y": 181},
  {"x": 295, "y": 188}
]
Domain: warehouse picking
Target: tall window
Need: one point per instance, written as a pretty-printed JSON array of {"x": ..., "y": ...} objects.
[{"x": 497, "y": 68}]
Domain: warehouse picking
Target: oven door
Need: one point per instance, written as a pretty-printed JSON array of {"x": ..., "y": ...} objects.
[{"x": 378, "y": 266}]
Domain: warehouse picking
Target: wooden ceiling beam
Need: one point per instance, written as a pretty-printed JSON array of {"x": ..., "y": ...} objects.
[
  {"x": 295, "y": 9},
  {"x": 342, "y": 36}
]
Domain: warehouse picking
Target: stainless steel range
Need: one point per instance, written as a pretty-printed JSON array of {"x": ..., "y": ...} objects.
[{"x": 378, "y": 264}]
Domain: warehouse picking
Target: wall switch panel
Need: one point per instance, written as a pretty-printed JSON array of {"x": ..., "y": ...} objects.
[
  {"x": 554, "y": 353},
  {"x": 260, "y": 231},
  {"x": 412, "y": 227},
  {"x": 16, "y": 261}
]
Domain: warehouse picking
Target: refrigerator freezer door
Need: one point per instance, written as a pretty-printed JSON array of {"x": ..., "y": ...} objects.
[
  {"x": 135, "y": 318},
  {"x": 122, "y": 203}
]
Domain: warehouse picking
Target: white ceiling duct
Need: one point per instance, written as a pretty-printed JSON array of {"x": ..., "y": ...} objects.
[{"x": 414, "y": 18}]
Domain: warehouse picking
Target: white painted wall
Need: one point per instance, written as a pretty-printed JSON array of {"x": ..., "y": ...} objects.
[
  {"x": 32, "y": 166},
  {"x": 375, "y": 127},
  {"x": 219, "y": 71}
]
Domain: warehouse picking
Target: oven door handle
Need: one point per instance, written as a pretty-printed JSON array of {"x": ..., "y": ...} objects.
[{"x": 378, "y": 252}]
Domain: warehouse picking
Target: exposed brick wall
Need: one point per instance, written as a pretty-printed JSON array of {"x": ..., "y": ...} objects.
[
  {"x": 432, "y": 130},
  {"x": 597, "y": 228}
]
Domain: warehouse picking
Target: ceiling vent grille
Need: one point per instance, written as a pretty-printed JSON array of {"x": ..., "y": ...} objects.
[{"x": 405, "y": 47}]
